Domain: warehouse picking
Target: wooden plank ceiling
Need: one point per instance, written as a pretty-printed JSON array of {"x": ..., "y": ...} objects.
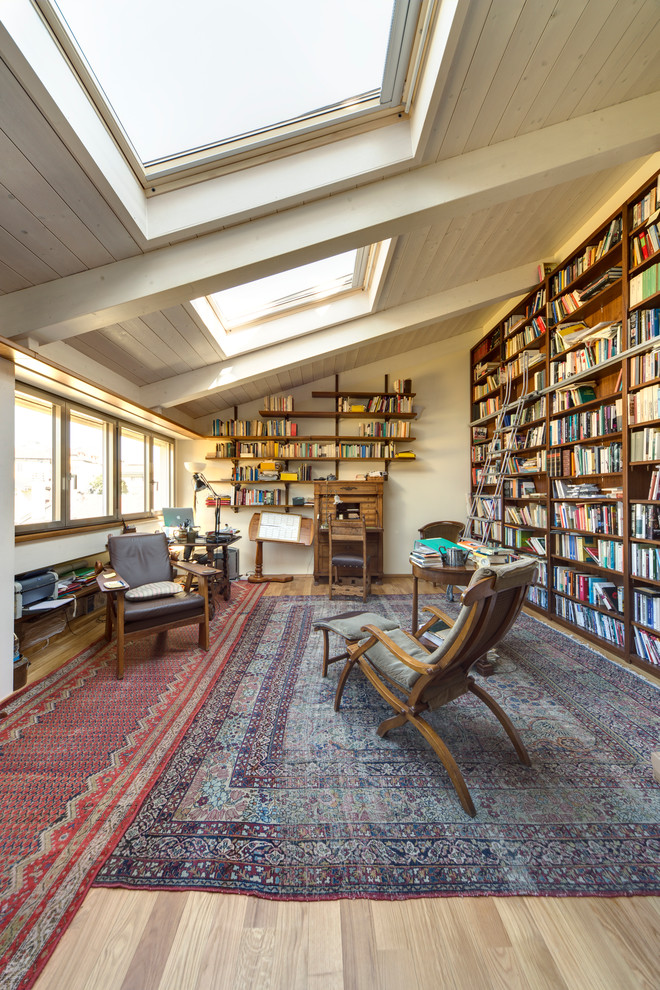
[{"x": 518, "y": 67}]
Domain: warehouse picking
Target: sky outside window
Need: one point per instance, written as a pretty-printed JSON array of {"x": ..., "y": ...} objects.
[{"x": 180, "y": 77}]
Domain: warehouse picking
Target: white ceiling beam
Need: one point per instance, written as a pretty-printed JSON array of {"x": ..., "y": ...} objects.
[
  {"x": 477, "y": 180},
  {"x": 335, "y": 340}
]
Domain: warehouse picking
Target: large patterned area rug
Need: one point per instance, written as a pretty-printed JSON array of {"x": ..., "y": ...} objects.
[
  {"x": 78, "y": 752},
  {"x": 270, "y": 792}
]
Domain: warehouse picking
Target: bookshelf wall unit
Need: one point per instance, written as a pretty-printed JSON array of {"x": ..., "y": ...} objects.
[
  {"x": 580, "y": 488},
  {"x": 379, "y": 429}
]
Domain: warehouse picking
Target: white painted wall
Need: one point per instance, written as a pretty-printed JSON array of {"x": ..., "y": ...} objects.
[
  {"x": 7, "y": 530},
  {"x": 431, "y": 487}
]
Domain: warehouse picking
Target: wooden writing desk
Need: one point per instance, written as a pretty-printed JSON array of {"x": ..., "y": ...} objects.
[{"x": 368, "y": 497}]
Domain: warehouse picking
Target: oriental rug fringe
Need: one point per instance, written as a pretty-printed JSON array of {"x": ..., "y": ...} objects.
[
  {"x": 272, "y": 793},
  {"x": 79, "y": 751}
]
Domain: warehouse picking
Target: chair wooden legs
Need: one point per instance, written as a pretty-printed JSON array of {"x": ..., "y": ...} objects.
[{"x": 504, "y": 719}]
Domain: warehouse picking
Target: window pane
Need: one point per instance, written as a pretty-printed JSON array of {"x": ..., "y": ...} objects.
[
  {"x": 133, "y": 481},
  {"x": 162, "y": 474},
  {"x": 35, "y": 461},
  {"x": 90, "y": 489}
]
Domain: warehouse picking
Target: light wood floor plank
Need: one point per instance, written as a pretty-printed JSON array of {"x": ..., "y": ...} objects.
[
  {"x": 146, "y": 967},
  {"x": 185, "y": 960},
  {"x": 221, "y": 958},
  {"x": 325, "y": 946}
]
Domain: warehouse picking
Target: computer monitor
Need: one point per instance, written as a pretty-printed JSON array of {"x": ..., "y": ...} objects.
[{"x": 178, "y": 518}]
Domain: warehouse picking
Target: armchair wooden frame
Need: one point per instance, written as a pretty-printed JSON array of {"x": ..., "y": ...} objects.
[
  {"x": 115, "y": 614},
  {"x": 490, "y": 614}
]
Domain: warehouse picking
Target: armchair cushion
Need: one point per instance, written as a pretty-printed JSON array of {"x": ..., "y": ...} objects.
[
  {"x": 145, "y": 612},
  {"x": 349, "y": 626},
  {"x": 155, "y": 589}
]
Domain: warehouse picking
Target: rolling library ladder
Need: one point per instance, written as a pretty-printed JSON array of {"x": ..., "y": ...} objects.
[{"x": 501, "y": 448}]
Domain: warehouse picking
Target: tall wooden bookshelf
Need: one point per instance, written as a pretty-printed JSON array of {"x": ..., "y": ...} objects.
[{"x": 580, "y": 489}]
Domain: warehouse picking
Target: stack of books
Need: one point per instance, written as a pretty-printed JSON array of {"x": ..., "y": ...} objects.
[{"x": 424, "y": 555}]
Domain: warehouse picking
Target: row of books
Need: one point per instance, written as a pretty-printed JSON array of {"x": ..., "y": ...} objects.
[
  {"x": 645, "y": 561},
  {"x": 570, "y": 396},
  {"x": 487, "y": 407},
  {"x": 491, "y": 384},
  {"x": 519, "y": 488},
  {"x": 570, "y": 302},
  {"x": 645, "y": 521},
  {"x": 647, "y": 646},
  {"x": 526, "y": 515},
  {"x": 646, "y": 606},
  {"x": 592, "y": 254},
  {"x": 389, "y": 404},
  {"x": 571, "y": 489},
  {"x": 278, "y": 403},
  {"x": 590, "y": 550},
  {"x": 645, "y": 444},
  {"x": 393, "y": 428},
  {"x": 591, "y": 588},
  {"x": 530, "y": 332},
  {"x": 597, "y": 623},
  {"x": 654, "y": 484},
  {"x": 259, "y": 496},
  {"x": 487, "y": 345},
  {"x": 644, "y": 208},
  {"x": 590, "y": 516},
  {"x": 529, "y": 465},
  {"x": 645, "y": 244},
  {"x": 644, "y": 405},
  {"x": 253, "y": 428},
  {"x": 484, "y": 368},
  {"x": 643, "y": 324},
  {"x": 644, "y": 285},
  {"x": 538, "y": 596},
  {"x": 533, "y": 411},
  {"x": 645, "y": 367},
  {"x": 580, "y": 460},
  {"x": 527, "y": 359},
  {"x": 582, "y": 426},
  {"x": 246, "y": 473}
]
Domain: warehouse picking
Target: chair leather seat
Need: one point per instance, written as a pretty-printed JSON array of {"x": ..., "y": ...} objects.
[
  {"x": 347, "y": 560},
  {"x": 172, "y": 607}
]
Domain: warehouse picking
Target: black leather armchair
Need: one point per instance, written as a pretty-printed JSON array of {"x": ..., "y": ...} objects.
[{"x": 141, "y": 597}]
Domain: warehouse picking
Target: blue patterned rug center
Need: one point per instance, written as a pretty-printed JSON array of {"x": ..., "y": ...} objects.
[{"x": 273, "y": 793}]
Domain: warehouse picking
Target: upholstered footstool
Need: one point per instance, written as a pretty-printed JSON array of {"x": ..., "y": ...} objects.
[{"x": 348, "y": 625}]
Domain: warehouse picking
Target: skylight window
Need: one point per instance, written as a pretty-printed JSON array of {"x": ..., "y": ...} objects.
[
  {"x": 266, "y": 297},
  {"x": 179, "y": 79}
]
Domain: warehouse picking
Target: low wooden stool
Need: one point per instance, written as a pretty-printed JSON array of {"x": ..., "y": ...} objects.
[{"x": 348, "y": 625}]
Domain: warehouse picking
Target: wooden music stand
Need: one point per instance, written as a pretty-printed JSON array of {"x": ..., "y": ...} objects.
[{"x": 276, "y": 527}]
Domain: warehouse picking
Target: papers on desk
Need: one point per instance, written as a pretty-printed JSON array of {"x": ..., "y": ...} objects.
[{"x": 49, "y": 605}]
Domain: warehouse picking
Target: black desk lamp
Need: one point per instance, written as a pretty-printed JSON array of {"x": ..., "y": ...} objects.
[{"x": 200, "y": 484}]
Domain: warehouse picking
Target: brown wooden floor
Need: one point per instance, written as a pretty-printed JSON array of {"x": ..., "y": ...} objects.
[{"x": 136, "y": 940}]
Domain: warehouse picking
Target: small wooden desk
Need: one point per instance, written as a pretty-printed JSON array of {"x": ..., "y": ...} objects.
[{"x": 219, "y": 583}]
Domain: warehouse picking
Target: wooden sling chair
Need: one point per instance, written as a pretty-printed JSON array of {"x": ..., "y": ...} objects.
[{"x": 413, "y": 679}]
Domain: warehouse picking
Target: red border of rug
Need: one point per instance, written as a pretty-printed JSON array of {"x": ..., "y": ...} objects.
[{"x": 99, "y": 817}]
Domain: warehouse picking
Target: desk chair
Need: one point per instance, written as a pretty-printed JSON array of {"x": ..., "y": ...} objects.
[
  {"x": 148, "y": 601},
  {"x": 340, "y": 559},
  {"x": 414, "y": 680},
  {"x": 444, "y": 529}
]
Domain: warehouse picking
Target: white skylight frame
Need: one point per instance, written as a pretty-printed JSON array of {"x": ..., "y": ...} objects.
[
  {"x": 314, "y": 313},
  {"x": 405, "y": 40}
]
